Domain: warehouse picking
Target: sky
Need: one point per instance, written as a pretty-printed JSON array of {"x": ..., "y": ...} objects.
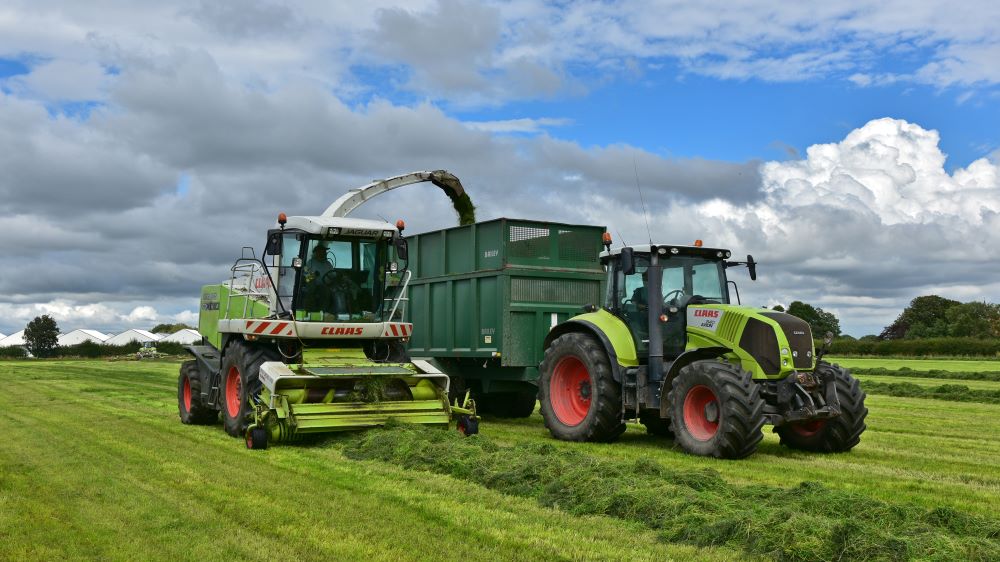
[{"x": 852, "y": 147}]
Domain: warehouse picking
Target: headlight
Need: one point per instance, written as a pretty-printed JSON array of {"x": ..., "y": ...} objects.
[
  {"x": 674, "y": 251},
  {"x": 332, "y": 231}
]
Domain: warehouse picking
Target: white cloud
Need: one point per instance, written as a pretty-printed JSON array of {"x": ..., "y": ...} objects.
[{"x": 525, "y": 125}]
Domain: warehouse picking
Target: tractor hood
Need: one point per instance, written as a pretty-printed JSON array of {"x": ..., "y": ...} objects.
[{"x": 770, "y": 344}]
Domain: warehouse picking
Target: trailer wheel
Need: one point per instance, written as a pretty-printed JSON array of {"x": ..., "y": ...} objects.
[
  {"x": 240, "y": 369},
  {"x": 580, "y": 401},
  {"x": 834, "y": 435},
  {"x": 716, "y": 410},
  {"x": 257, "y": 438},
  {"x": 189, "y": 405},
  {"x": 467, "y": 425},
  {"x": 655, "y": 425}
]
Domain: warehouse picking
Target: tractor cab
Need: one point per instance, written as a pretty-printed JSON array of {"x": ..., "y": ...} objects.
[
  {"x": 656, "y": 284},
  {"x": 335, "y": 269}
]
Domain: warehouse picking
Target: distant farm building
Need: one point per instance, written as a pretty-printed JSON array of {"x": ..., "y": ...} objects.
[
  {"x": 79, "y": 336},
  {"x": 141, "y": 336},
  {"x": 17, "y": 338},
  {"x": 186, "y": 336}
]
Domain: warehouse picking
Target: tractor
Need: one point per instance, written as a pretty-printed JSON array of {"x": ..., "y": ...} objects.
[
  {"x": 310, "y": 337},
  {"x": 669, "y": 349}
]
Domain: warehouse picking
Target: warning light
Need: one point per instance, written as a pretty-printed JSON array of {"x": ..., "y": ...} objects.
[
  {"x": 606, "y": 238},
  {"x": 697, "y": 243},
  {"x": 400, "y": 225},
  {"x": 282, "y": 219},
  {"x": 663, "y": 318}
]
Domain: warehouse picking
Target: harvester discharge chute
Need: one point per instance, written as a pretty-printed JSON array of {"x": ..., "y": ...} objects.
[{"x": 310, "y": 337}]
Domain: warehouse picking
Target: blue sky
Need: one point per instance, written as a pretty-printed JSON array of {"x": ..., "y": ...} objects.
[{"x": 852, "y": 147}]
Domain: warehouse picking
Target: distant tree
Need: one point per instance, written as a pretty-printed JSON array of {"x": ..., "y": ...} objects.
[
  {"x": 974, "y": 320},
  {"x": 869, "y": 337},
  {"x": 778, "y": 307},
  {"x": 41, "y": 336},
  {"x": 169, "y": 328},
  {"x": 926, "y": 317},
  {"x": 818, "y": 319}
]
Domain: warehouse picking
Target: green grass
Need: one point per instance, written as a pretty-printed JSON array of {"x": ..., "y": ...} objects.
[
  {"x": 96, "y": 465},
  {"x": 929, "y": 381},
  {"x": 918, "y": 364}
]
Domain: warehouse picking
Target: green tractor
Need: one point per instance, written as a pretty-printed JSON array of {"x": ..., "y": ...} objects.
[
  {"x": 310, "y": 338},
  {"x": 670, "y": 350}
]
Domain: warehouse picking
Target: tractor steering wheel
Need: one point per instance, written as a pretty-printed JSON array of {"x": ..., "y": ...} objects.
[{"x": 668, "y": 299}]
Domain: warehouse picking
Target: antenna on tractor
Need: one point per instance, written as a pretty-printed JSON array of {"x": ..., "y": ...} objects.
[
  {"x": 620, "y": 237},
  {"x": 645, "y": 216}
]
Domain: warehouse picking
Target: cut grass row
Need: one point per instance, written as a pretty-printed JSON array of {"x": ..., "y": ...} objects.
[
  {"x": 804, "y": 522},
  {"x": 110, "y": 432},
  {"x": 917, "y": 364},
  {"x": 96, "y": 465}
]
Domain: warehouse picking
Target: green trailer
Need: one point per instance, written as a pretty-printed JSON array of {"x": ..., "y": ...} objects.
[{"x": 483, "y": 297}]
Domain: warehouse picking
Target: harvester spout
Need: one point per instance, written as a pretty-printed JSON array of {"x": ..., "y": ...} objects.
[{"x": 447, "y": 181}]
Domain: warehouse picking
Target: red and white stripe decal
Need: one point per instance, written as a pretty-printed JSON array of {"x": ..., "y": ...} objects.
[
  {"x": 268, "y": 328},
  {"x": 398, "y": 330}
]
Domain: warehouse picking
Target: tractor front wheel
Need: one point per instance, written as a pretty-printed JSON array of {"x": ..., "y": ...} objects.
[
  {"x": 834, "y": 435},
  {"x": 240, "y": 372},
  {"x": 189, "y": 405},
  {"x": 716, "y": 410},
  {"x": 580, "y": 401}
]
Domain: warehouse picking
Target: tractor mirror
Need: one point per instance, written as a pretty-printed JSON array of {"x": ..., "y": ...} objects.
[
  {"x": 402, "y": 248},
  {"x": 627, "y": 261},
  {"x": 273, "y": 245},
  {"x": 752, "y": 266}
]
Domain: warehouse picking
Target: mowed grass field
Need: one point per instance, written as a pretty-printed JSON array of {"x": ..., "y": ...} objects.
[
  {"x": 96, "y": 465},
  {"x": 958, "y": 365}
]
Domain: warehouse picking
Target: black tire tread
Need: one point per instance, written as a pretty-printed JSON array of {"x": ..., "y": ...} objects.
[
  {"x": 199, "y": 414},
  {"x": 742, "y": 410},
  {"x": 839, "y": 434},
  {"x": 604, "y": 421},
  {"x": 248, "y": 358}
]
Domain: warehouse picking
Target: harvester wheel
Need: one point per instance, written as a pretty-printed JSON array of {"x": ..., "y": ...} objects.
[
  {"x": 257, "y": 438},
  {"x": 467, "y": 425},
  {"x": 240, "y": 369},
  {"x": 834, "y": 435},
  {"x": 189, "y": 404},
  {"x": 716, "y": 410},
  {"x": 580, "y": 401},
  {"x": 655, "y": 425}
]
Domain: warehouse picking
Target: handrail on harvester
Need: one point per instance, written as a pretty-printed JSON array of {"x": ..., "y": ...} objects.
[{"x": 355, "y": 197}]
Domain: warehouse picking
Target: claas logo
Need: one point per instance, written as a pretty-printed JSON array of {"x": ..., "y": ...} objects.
[
  {"x": 707, "y": 313},
  {"x": 341, "y": 331}
]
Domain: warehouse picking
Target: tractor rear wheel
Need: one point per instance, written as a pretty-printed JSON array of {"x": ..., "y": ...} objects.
[
  {"x": 655, "y": 425},
  {"x": 189, "y": 405},
  {"x": 240, "y": 371},
  {"x": 834, "y": 435},
  {"x": 716, "y": 410},
  {"x": 580, "y": 401}
]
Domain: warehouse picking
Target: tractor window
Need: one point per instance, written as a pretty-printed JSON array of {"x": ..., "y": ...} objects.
[
  {"x": 338, "y": 281},
  {"x": 706, "y": 280}
]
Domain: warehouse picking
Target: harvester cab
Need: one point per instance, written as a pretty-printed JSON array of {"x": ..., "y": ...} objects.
[
  {"x": 670, "y": 349},
  {"x": 309, "y": 338}
]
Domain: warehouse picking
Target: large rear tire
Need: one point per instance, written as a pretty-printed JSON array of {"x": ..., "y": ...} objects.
[
  {"x": 240, "y": 372},
  {"x": 716, "y": 410},
  {"x": 189, "y": 405},
  {"x": 580, "y": 401},
  {"x": 834, "y": 435}
]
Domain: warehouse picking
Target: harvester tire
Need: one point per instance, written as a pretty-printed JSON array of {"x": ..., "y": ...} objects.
[
  {"x": 189, "y": 405},
  {"x": 716, "y": 410},
  {"x": 257, "y": 438},
  {"x": 834, "y": 435},
  {"x": 580, "y": 401},
  {"x": 655, "y": 425},
  {"x": 467, "y": 425},
  {"x": 240, "y": 372}
]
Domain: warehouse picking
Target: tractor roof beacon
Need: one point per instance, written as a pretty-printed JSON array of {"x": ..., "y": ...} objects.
[
  {"x": 309, "y": 338},
  {"x": 669, "y": 349}
]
